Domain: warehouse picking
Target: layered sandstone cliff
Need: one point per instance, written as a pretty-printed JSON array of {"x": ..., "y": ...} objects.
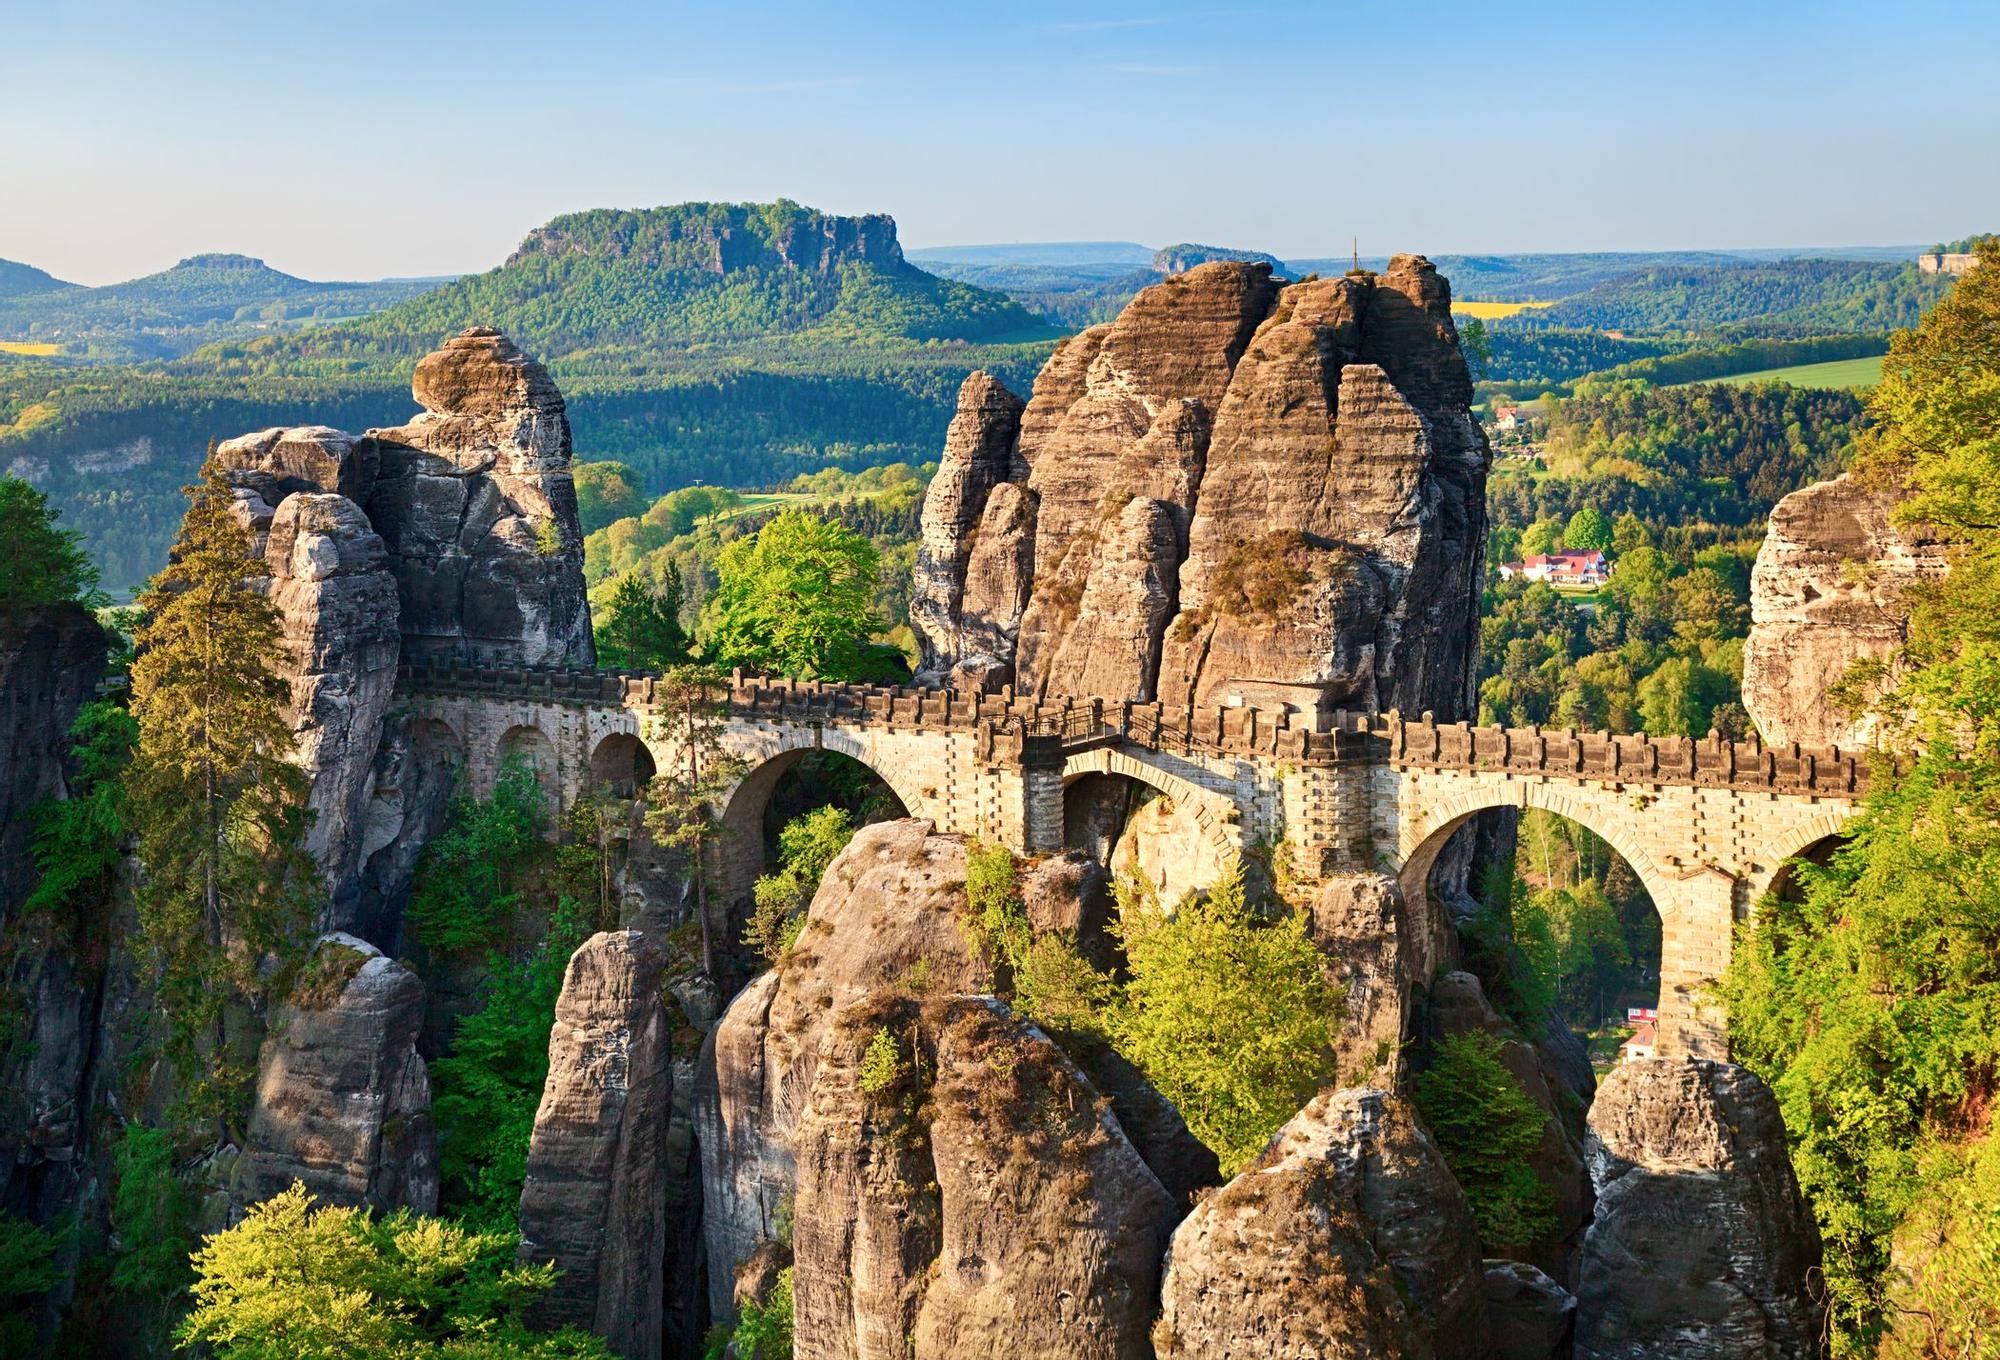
[
  {"x": 1237, "y": 492},
  {"x": 1830, "y": 589},
  {"x": 452, "y": 537}
]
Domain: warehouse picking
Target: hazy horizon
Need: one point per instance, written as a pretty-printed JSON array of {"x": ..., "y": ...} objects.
[{"x": 375, "y": 143}]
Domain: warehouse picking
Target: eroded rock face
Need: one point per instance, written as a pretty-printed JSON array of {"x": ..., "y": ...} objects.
[
  {"x": 1533, "y": 1317},
  {"x": 1053, "y": 1225},
  {"x": 1348, "y": 1238},
  {"x": 1829, "y": 589},
  {"x": 343, "y": 1099},
  {"x": 887, "y": 911},
  {"x": 476, "y": 504},
  {"x": 1701, "y": 1246},
  {"x": 595, "y": 1197},
  {"x": 1358, "y": 919},
  {"x": 331, "y": 583},
  {"x": 1237, "y": 491},
  {"x": 280, "y": 462},
  {"x": 978, "y": 455}
]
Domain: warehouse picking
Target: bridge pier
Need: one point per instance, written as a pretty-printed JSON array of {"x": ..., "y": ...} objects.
[{"x": 1697, "y": 928}]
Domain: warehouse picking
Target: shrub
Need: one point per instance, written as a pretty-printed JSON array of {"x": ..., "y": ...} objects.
[
  {"x": 806, "y": 846},
  {"x": 295, "y": 1280},
  {"x": 1230, "y": 1016},
  {"x": 881, "y": 1063},
  {"x": 1486, "y": 1125}
]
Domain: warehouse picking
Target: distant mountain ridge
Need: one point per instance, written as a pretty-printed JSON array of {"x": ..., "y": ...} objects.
[
  {"x": 203, "y": 298},
  {"x": 24, "y": 280}
]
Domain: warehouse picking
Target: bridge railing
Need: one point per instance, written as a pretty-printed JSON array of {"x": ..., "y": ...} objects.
[{"x": 1009, "y": 721}]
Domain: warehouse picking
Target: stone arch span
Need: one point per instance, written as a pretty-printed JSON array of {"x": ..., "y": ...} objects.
[
  {"x": 769, "y": 755},
  {"x": 1828, "y": 824},
  {"x": 528, "y": 742},
  {"x": 620, "y": 764},
  {"x": 1206, "y": 819}
]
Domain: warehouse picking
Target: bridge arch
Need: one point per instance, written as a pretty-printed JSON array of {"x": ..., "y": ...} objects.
[
  {"x": 620, "y": 764},
  {"x": 1796, "y": 841},
  {"x": 528, "y": 742},
  {"x": 1202, "y": 823}
]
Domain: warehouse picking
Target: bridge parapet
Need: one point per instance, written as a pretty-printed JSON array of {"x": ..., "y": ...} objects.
[{"x": 1705, "y": 762}]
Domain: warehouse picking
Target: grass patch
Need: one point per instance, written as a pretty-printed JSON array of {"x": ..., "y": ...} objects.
[{"x": 1834, "y": 373}]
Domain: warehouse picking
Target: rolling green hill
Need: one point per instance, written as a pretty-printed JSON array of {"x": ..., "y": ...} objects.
[
  {"x": 1780, "y": 296},
  {"x": 24, "y": 280},
  {"x": 740, "y": 344}
]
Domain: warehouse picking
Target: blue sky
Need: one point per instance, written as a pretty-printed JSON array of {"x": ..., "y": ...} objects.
[{"x": 353, "y": 140}]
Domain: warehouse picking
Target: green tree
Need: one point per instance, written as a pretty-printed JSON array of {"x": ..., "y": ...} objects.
[
  {"x": 28, "y": 1268},
  {"x": 1628, "y": 532},
  {"x": 466, "y": 888},
  {"x": 806, "y": 846},
  {"x": 1232, "y": 1018},
  {"x": 605, "y": 492},
  {"x": 1572, "y": 938},
  {"x": 218, "y": 804},
  {"x": 297, "y": 1282},
  {"x": 79, "y": 839},
  {"x": 642, "y": 628},
  {"x": 1587, "y": 531},
  {"x": 683, "y": 802},
  {"x": 1869, "y": 1000},
  {"x": 1487, "y": 1126},
  {"x": 1540, "y": 538},
  {"x": 1680, "y": 697},
  {"x": 798, "y": 600},
  {"x": 1706, "y": 607},
  {"x": 39, "y": 564}
]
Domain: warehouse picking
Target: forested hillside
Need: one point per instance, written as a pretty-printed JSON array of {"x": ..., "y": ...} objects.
[{"x": 740, "y": 344}]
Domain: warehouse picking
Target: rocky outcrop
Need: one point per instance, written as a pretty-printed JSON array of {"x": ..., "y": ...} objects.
[
  {"x": 1533, "y": 1317},
  {"x": 1701, "y": 1247},
  {"x": 886, "y": 913},
  {"x": 1052, "y": 1224},
  {"x": 476, "y": 504},
  {"x": 978, "y": 456},
  {"x": 1830, "y": 589},
  {"x": 343, "y": 1099},
  {"x": 50, "y": 661},
  {"x": 1236, "y": 492},
  {"x": 331, "y": 583},
  {"x": 455, "y": 536},
  {"x": 1348, "y": 1238},
  {"x": 594, "y": 1201},
  {"x": 1359, "y": 921}
]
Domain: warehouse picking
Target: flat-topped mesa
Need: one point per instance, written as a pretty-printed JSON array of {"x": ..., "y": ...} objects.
[
  {"x": 475, "y": 501},
  {"x": 1239, "y": 492}
]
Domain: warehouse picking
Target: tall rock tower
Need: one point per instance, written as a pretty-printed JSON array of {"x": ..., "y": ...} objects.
[{"x": 1236, "y": 493}]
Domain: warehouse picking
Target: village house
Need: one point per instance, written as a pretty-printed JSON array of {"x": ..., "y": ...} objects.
[{"x": 1569, "y": 567}]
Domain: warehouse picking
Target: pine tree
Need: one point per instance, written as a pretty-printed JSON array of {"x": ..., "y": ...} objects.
[
  {"x": 642, "y": 630},
  {"x": 682, "y": 803},
  {"x": 39, "y": 563},
  {"x": 218, "y": 806}
]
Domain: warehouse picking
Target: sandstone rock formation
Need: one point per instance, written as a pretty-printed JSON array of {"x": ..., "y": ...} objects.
[
  {"x": 1235, "y": 492},
  {"x": 594, "y": 1201},
  {"x": 1359, "y": 920},
  {"x": 887, "y": 911},
  {"x": 1533, "y": 1317},
  {"x": 478, "y": 509},
  {"x": 1701, "y": 1247},
  {"x": 1829, "y": 589},
  {"x": 1348, "y": 1238},
  {"x": 331, "y": 583},
  {"x": 343, "y": 1100},
  {"x": 50, "y": 661},
  {"x": 455, "y": 536},
  {"x": 1052, "y": 1226}
]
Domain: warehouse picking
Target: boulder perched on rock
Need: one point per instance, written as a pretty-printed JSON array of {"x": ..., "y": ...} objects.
[
  {"x": 886, "y": 913},
  {"x": 1533, "y": 1317},
  {"x": 476, "y": 503},
  {"x": 1829, "y": 589},
  {"x": 1348, "y": 1238},
  {"x": 595, "y": 1198},
  {"x": 1260, "y": 494},
  {"x": 281, "y": 462},
  {"x": 1701, "y": 1247},
  {"x": 331, "y": 582},
  {"x": 343, "y": 1099}
]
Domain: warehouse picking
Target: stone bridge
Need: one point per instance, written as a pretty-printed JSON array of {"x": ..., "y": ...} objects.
[{"x": 1706, "y": 825}]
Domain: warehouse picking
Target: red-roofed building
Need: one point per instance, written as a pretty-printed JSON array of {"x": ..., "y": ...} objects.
[{"x": 1569, "y": 567}]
